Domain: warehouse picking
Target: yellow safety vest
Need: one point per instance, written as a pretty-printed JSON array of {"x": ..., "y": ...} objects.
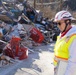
[{"x": 61, "y": 49}]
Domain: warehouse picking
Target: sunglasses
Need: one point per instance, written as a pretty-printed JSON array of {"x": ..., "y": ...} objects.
[{"x": 59, "y": 23}]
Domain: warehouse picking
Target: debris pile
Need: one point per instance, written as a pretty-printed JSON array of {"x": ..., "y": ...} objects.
[{"x": 21, "y": 29}]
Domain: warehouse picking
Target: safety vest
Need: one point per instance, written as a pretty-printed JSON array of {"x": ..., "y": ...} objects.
[{"x": 61, "y": 49}]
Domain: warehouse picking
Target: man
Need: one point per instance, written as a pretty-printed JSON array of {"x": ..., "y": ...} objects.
[{"x": 65, "y": 50}]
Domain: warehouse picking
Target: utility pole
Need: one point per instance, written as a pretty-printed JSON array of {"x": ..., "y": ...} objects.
[
  {"x": 42, "y": 4},
  {"x": 34, "y": 4},
  {"x": 61, "y": 3}
]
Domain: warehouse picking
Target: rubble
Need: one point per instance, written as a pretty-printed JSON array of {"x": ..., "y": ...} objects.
[
  {"x": 5, "y": 60},
  {"x": 17, "y": 23}
]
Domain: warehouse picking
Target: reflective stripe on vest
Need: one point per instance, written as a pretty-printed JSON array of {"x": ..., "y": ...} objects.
[{"x": 61, "y": 49}]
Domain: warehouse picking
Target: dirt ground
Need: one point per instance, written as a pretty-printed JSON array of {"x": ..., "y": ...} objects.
[{"x": 38, "y": 63}]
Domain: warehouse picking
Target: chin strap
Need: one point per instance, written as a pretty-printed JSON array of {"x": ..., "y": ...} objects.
[
  {"x": 66, "y": 25},
  {"x": 65, "y": 28}
]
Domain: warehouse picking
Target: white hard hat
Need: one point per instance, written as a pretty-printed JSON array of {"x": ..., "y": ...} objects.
[{"x": 63, "y": 15}]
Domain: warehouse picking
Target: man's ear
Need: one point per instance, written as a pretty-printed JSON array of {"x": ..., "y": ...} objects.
[{"x": 67, "y": 22}]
